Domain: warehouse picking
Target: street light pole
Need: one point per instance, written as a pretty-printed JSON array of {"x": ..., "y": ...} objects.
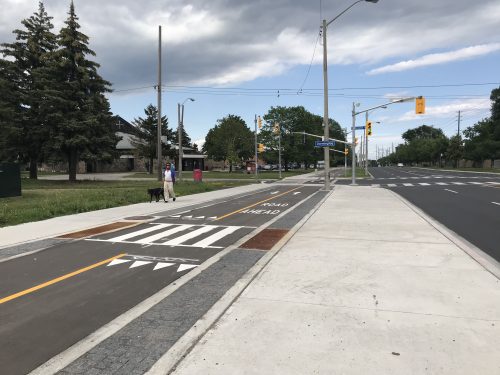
[
  {"x": 353, "y": 144},
  {"x": 180, "y": 114},
  {"x": 325, "y": 112},
  {"x": 325, "y": 91},
  {"x": 158, "y": 132}
]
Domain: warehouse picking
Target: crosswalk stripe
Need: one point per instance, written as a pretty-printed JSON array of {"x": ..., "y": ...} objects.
[
  {"x": 458, "y": 183},
  {"x": 139, "y": 232},
  {"x": 476, "y": 183},
  {"x": 442, "y": 183},
  {"x": 215, "y": 237},
  {"x": 168, "y": 232},
  {"x": 392, "y": 185},
  {"x": 408, "y": 184},
  {"x": 424, "y": 184},
  {"x": 188, "y": 236}
]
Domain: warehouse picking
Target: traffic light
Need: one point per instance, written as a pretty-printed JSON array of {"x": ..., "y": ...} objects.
[
  {"x": 368, "y": 128},
  {"x": 420, "y": 105},
  {"x": 260, "y": 147},
  {"x": 346, "y": 151},
  {"x": 276, "y": 128},
  {"x": 259, "y": 122}
]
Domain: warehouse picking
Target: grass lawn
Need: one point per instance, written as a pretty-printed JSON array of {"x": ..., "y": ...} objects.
[
  {"x": 237, "y": 175},
  {"x": 360, "y": 172},
  {"x": 43, "y": 199}
]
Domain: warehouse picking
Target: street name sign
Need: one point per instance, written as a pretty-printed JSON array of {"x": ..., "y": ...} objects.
[{"x": 324, "y": 143}]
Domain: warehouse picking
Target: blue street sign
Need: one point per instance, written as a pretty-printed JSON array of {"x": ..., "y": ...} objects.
[
  {"x": 324, "y": 143},
  {"x": 359, "y": 127}
]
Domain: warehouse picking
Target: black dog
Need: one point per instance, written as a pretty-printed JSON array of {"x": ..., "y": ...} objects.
[{"x": 156, "y": 192}]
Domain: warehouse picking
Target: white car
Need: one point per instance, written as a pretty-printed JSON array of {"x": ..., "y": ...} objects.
[{"x": 400, "y": 165}]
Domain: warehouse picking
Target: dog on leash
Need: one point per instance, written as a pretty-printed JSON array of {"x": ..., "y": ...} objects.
[{"x": 157, "y": 192}]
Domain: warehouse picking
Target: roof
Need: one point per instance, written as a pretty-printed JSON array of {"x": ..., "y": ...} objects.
[{"x": 126, "y": 141}]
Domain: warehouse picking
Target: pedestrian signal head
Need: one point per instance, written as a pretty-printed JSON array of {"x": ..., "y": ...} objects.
[
  {"x": 260, "y": 147},
  {"x": 259, "y": 122},
  {"x": 346, "y": 151}
]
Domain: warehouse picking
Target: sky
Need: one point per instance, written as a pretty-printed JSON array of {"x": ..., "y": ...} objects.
[{"x": 243, "y": 57}]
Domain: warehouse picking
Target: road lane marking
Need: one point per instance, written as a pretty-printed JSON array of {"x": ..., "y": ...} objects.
[
  {"x": 442, "y": 183},
  {"x": 215, "y": 237},
  {"x": 166, "y": 233},
  {"x": 58, "y": 279},
  {"x": 407, "y": 184},
  {"x": 498, "y": 204},
  {"x": 256, "y": 204},
  {"x": 452, "y": 191},
  {"x": 458, "y": 183},
  {"x": 188, "y": 236},
  {"x": 424, "y": 184},
  {"x": 392, "y": 185}
]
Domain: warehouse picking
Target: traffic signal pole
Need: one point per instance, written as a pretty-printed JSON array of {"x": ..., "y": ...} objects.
[
  {"x": 256, "y": 153},
  {"x": 366, "y": 145}
]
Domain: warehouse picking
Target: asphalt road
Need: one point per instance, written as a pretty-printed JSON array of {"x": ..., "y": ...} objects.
[
  {"x": 467, "y": 203},
  {"x": 52, "y": 299}
]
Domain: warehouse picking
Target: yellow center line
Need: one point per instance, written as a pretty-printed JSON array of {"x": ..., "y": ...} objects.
[
  {"x": 255, "y": 204},
  {"x": 58, "y": 279}
]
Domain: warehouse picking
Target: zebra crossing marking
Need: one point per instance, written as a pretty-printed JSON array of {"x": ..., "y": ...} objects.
[
  {"x": 164, "y": 234},
  {"x": 486, "y": 183}
]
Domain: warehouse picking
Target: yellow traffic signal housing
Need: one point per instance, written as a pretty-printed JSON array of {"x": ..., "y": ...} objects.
[
  {"x": 259, "y": 122},
  {"x": 420, "y": 105},
  {"x": 368, "y": 128},
  {"x": 346, "y": 151},
  {"x": 276, "y": 128},
  {"x": 260, "y": 147}
]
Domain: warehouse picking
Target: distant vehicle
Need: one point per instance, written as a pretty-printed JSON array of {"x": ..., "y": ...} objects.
[
  {"x": 267, "y": 167},
  {"x": 400, "y": 165}
]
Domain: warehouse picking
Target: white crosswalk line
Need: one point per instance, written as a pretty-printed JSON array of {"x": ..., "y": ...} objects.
[
  {"x": 424, "y": 184},
  {"x": 215, "y": 237},
  {"x": 139, "y": 232},
  {"x": 392, "y": 185},
  {"x": 408, "y": 184},
  {"x": 158, "y": 236},
  {"x": 442, "y": 183},
  {"x": 458, "y": 183},
  {"x": 188, "y": 236},
  {"x": 475, "y": 183}
]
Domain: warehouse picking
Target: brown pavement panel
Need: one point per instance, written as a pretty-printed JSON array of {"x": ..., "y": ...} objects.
[
  {"x": 98, "y": 230},
  {"x": 265, "y": 240}
]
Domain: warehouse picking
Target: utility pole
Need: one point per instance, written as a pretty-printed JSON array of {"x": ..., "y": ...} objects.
[
  {"x": 158, "y": 145},
  {"x": 325, "y": 113},
  {"x": 279, "y": 146},
  {"x": 458, "y": 131},
  {"x": 256, "y": 153},
  {"x": 366, "y": 145},
  {"x": 345, "y": 156},
  {"x": 353, "y": 144},
  {"x": 179, "y": 137}
]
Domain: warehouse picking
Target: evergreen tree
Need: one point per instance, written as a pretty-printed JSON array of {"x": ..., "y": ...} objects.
[
  {"x": 11, "y": 112},
  {"x": 30, "y": 52},
  {"x": 82, "y": 122},
  {"x": 148, "y": 135}
]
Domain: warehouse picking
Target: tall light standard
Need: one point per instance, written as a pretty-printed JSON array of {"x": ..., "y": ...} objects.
[
  {"x": 180, "y": 118},
  {"x": 325, "y": 90}
]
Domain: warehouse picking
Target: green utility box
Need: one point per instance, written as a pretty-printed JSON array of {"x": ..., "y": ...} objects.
[{"x": 10, "y": 180}]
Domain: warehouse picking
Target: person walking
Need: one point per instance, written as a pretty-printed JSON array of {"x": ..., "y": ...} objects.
[{"x": 168, "y": 182}]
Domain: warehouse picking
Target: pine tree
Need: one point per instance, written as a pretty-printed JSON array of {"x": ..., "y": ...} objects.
[
  {"x": 148, "y": 134},
  {"x": 30, "y": 52},
  {"x": 81, "y": 117}
]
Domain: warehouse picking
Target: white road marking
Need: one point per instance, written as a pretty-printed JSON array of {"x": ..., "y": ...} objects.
[
  {"x": 175, "y": 216},
  {"x": 188, "y": 236},
  {"x": 375, "y": 185},
  {"x": 442, "y": 183},
  {"x": 160, "y": 265},
  {"x": 114, "y": 262},
  {"x": 498, "y": 204},
  {"x": 475, "y": 183},
  {"x": 274, "y": 192},
  {"x": 158, "y": 236},
  {"x": 297, "y": 192},
  {"x": 424, "y": 184},
  {"x": 392, "y": 185},
  {"x": 139, "y": 263},
  {"x": 139, "y": 232},
  {"x": 215, "y": 237},
  {"x": 451, "y": 191},
  {"x": 184, "y": 267},
  {"x": 199, "y": 217},
  {"x": 213, "y": 217},
  {"x": 408, "y": 184},
  {"x": 458, "y": 183}
]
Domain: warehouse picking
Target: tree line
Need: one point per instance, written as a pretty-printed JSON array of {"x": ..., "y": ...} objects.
[
  {"x": 232, "y": 140},
  {"x": 429, "y": 145},
  {"x": 52, "y": 98}
]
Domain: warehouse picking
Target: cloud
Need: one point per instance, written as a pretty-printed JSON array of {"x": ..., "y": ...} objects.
[
  {"x": 439, "y": 58},
  {"x": 225, "y": 42},
  {"x": 446, "y": 110}
]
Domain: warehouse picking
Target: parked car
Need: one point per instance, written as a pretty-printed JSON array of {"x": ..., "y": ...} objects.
[
  {"x": 267, "y": 167},
  {"x": 400, "y": 165}
]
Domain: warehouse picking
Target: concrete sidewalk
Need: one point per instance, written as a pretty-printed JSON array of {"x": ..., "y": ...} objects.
[{"x": 366, "y": 286}]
